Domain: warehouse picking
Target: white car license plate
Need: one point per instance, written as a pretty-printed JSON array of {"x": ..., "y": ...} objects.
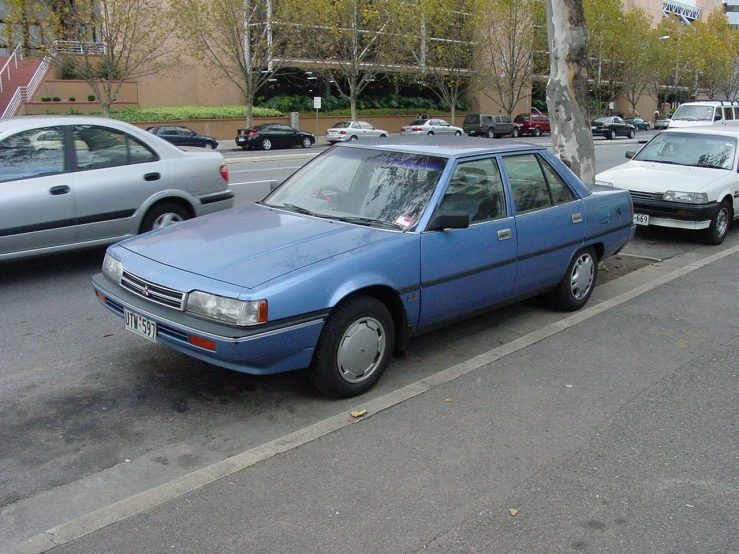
[
  {"x": 641, "y": 219},
  {"x": 140, "y": 325}
]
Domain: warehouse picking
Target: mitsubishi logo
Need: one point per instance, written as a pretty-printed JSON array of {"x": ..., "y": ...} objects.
[{"x": 145, "y": 290}]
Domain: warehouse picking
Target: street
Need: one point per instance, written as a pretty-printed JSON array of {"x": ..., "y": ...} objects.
[{"x": 94, "y": 415}]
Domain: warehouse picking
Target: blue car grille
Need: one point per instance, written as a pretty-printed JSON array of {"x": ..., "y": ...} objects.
[{"x": 153, "y": 292}]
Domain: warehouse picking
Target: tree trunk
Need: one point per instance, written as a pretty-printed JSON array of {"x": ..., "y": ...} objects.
[{"x": 567, "y": 89}]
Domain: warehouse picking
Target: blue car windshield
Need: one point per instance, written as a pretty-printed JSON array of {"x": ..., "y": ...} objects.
[
  {"x": 391, "y": 189},
  {"x": 691, "y": 149}
]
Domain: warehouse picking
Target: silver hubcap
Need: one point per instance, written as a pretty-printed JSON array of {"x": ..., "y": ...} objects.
[
  {"x": 266, "y": 144},
  {"x": 722, "y": 222},
  {"x": 582, "y": 276},
  {"x": 166, "y": 219},
  {"x": 360, "y": 350}
]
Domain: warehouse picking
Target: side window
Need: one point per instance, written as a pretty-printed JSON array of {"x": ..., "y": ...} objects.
[
  {"x": 529, "y": 187},
  {"x": 487, "y": 119},
  {"x": 476, "y": 188},
  {"x": 728, "y": 114},
  {"x": 504, "y": 119},
  {"x": 717, "y": 114},
  {"x": 32, "y": 153},
  {"x": 561, "y": 193},
  {"x": 736, "y": 113},
  {"x": 356, "y": 126},
  {"x": 99, "y": 147}
]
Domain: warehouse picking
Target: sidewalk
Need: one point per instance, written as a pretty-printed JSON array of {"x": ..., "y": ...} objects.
[{"x": 611, "y": 430}]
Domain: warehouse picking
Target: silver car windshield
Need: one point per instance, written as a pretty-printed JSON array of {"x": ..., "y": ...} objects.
[
  {"x": 363, "y": 186},
  {"x": 694, "y": 150}
]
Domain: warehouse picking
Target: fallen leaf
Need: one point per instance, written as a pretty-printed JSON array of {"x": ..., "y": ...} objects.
[
  {"x": 513, "y": 511},
  {"x": 359, "y": 413},
  {"x": 448, "y": 400},
  {"x": 127, "y": 461}
]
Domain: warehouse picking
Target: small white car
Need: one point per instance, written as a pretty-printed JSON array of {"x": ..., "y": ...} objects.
[
  {"x": 353, "y": 130},
  {"x": 431, "y": 127},
  {"x": 685, "y": 178}
]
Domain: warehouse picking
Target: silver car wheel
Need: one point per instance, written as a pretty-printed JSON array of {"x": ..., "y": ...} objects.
[
  {"x": 581, "y": 278},
  {"x": 166, "y": 219},
  {"x": 209, "y": 146},
  {"x": 360, "y": 350}
]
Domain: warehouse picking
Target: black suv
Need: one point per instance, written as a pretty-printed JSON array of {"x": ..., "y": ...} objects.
[{"x": 493, "y": 126}]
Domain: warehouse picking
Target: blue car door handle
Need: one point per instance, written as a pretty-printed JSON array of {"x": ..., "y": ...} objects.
[
  {"x": 61, "y": 189},
  {"x": 504, "y": 234},
  {"x": 152, "y": 177}
]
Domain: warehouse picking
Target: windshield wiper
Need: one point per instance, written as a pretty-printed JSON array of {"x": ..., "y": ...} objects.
[
  {"x": 658, "y": 161},
  {"x": 359, "y": 220},
  {"x": 299, "y": 209}
]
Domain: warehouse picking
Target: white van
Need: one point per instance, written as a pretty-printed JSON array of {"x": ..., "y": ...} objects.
[{"x": 708, "y": 112}]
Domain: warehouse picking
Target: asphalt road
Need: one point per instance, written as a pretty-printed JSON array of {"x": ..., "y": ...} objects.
[{"x": 92, "y": 415}]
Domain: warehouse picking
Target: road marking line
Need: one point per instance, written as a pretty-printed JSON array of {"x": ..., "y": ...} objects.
[{"x": 108, "y": 515}]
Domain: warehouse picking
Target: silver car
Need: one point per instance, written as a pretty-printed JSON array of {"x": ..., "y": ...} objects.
[
  {"x": 69, "y": 182},
  {"x": 430, "y": 127},
  {"x": 353, "y": 130}
]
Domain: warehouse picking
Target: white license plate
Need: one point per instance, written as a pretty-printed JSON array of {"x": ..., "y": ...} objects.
[
  {"x": 140, "y": 325},
  {"x": 641, "y": 219}
]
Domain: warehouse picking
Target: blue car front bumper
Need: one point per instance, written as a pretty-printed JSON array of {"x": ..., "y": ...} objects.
[{"x": 276, "y": 347}]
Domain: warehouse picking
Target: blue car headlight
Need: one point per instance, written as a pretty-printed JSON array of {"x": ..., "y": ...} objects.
[
  {"x": 112, "y": 268},
  {"x": 228, "y": 310},
  {"x": 687, "y": 197}
]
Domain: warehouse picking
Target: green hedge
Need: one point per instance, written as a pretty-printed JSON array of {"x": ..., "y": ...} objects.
[{"x": 177, "y": 113}]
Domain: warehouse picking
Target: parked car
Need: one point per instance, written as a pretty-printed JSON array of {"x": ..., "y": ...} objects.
[
  {"x": 353, "y": 130},
  {"x": 273, "y": 135},
  {"x": 492, "y": 126},
  {"x": 612, "y": 127},
  {"x": 721, "y": 113},
  {"x": 364, "y": 246},
  {"x": 685, "y": 179},
  {"x": 532, "y": 124},
  {"x": 183, "y": 136},
  {"x": 96, "y": 181},
  {"x": 638, "y": 123},
  {"x": 662, "y": 122},
  {"x": 430, "y": 127}
]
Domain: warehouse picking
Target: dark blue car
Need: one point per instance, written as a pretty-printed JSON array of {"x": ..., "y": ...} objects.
[{"x": 361, "y": 248}]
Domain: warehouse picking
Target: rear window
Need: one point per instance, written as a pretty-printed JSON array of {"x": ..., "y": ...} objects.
[
  {"x": 521, "y": 118},
  {"x": 474, "y": 118}
]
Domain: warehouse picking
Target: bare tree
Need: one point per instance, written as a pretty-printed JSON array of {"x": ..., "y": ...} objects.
[
  {"x": 245, "y": 41},
  {"x": 103, "y": 43},
  {"x": 567, "y": 89},
  {"x": 508, "y": 41},
  {"x": 351, "y": 41}
]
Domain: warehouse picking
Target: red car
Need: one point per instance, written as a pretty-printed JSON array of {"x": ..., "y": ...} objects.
[{"x": 532, "y": 124}]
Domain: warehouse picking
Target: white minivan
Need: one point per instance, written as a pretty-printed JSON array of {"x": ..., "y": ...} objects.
[{"x": 708, "y": 112}]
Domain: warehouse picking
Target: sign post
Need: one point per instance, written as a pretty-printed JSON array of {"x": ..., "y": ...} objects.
[{"x": 317, "y": 106}]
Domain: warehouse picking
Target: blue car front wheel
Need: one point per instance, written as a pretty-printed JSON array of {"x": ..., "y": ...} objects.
[{"x": 354, "y": 348}]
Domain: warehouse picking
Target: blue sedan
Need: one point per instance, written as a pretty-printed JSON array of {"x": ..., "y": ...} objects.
[{"x": 360, "y": 249}]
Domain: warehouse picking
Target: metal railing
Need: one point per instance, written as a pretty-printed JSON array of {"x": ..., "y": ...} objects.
[
  {"x": 23, "y": 93},
  {"x": 6, "y": 67}
]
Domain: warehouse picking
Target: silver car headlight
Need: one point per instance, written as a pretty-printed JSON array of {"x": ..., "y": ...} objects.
[
  {"x": 603, "y": 183},
  {"x": 687, "y": 197},
  {"x": 112, "y": 268},
  {"x": 228, "y": 310}
]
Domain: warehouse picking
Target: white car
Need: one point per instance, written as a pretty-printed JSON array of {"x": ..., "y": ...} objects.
[
  {"x": 353, "y": 130},
  {"x": 430, "y": 127},
  {"x": 684, "y": 178}
]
